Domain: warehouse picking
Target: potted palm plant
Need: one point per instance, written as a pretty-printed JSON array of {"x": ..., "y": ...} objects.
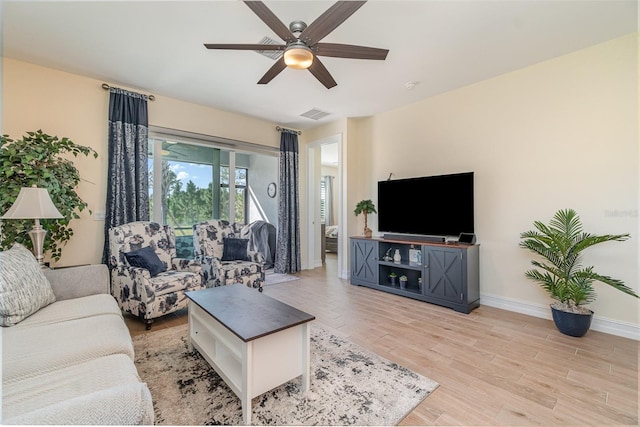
[
  {"x": 365, "y": 207},
  {"x": 561, "y": 274}
]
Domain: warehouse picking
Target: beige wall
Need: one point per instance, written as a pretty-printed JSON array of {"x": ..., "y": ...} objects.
[
  {"x": 559, "y": 134},
  {"x": 64, "y": 104}
]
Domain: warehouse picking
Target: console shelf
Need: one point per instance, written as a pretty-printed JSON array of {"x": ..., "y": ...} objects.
[{"x": 447, "y": 274}]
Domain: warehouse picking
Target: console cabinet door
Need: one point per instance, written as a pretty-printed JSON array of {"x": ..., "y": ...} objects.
[
  {"x": 443, "y": 270},
  {"x": 364, "y": 261}
]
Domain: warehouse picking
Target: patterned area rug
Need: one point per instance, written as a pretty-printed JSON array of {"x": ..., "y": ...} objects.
[
  {"x": 349, "y": 386},
  {"x": 271, "y": 278}
]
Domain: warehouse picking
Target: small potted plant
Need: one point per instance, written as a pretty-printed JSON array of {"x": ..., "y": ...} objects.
[
  {"x": 393, "y": 278},
  {"x": 561, "y": 273},
  {"x": 403, "y": 281},
  {"x": 365, "y": 207}
]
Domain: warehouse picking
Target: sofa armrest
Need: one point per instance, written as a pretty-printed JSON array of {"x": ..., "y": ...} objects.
[
  {"x": 210, "y": 270},
  {"x": 184, "y": 264},
  {"x": 76, "y": 282},
  {"x": 256, "y": 257}
]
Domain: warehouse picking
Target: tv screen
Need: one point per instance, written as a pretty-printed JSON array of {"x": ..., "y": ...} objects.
[{"x": 439, "y": 205}]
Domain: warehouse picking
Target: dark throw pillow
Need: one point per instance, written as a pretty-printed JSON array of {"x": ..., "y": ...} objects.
[
  {"x": 146, "y": 258},
  {"x": 235, "y": 249}
]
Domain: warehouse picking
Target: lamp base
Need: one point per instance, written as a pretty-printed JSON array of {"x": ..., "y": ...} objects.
[{"x": 37, "y": 235}]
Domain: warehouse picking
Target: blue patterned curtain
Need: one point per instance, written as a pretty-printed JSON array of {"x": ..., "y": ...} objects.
[
  {"x": 288, "y": 240},
  {"x": 127, "y": 173}
]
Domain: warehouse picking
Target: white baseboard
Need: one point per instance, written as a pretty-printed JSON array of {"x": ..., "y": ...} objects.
[{"x": 601, "y": 324}]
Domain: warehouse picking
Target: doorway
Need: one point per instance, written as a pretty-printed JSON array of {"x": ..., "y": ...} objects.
[{"x": 324, "y": 165}]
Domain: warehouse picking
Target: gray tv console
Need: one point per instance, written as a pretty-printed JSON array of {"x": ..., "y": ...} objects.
[{"x": 447, "y": 275}]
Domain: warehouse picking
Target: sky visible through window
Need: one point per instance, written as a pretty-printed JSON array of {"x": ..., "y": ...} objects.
[
  {"x": 200, "y": 174},
  {"x": 185, "y": 172}
]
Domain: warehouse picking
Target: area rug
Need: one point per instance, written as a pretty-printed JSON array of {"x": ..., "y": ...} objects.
[
  {"x": 271, "y": 278},
  {"x": 349, "y": 386}
]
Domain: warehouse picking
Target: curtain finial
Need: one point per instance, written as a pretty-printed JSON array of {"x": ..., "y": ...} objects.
[{"x": 297, "y": 132}]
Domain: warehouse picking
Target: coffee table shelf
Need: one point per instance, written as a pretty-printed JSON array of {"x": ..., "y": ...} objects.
[{"x": 222, "y": 353}]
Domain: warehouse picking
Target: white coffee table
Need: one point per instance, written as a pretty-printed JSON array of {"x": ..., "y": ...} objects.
[{"x": 254, "y": 342}]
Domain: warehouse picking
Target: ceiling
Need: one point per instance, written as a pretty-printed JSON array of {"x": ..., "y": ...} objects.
[{"x": 157, "y": 48}]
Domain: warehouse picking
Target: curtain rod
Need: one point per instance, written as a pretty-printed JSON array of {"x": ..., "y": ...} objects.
[
  {"x": 279, "y": 129},
  {"x": 107, "y": 87}
]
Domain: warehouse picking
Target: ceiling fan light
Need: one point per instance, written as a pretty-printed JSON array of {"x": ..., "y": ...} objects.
[{"x": 298, "y": 57}]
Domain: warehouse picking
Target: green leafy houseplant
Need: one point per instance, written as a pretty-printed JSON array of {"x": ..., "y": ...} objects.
[
  {"x": 561, "y": 274},
  {"x": 41, "y": 159},
  {"x": 365, "y": 207}
]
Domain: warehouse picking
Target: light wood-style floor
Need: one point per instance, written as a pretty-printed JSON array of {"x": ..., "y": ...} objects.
[{"x": 494, "y": 367}]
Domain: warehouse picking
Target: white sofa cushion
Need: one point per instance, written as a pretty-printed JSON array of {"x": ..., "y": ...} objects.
[
  {"x": 33, "y": 351},
  {"x": 77, "y": 308},
  {"x": 30, "y": 394},
  {"x": 128, "y": 404},
  {"x": 23, "y": 287}
]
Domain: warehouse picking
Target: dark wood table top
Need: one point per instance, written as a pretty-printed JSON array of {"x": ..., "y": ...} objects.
[{"x": 247, "y": 313}]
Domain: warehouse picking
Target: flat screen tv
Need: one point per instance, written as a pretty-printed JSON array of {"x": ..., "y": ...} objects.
[{"x": 440, "y": 205}]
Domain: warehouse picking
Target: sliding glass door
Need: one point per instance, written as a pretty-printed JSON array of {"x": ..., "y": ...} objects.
[{"x": 188, "y": 184}]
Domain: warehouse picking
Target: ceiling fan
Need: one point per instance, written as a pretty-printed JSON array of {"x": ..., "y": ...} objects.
[{"x": 302, "y": 43}]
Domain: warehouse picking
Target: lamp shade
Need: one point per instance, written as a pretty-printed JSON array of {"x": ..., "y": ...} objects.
[
  {"x": 298, "y": 56},
  {"x": 32, "y": 203}
]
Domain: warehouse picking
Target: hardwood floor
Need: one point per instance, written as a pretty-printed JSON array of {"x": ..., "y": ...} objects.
[{"x": 494, "y": 367}]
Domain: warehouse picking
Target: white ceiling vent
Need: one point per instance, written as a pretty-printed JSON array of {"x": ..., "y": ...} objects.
[
  {"x": 315, "y": 114},
  {"x": 273, "y": 54}
]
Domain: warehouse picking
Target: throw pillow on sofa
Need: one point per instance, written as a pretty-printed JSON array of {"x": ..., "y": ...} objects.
[
  {"x": 235, "y": 249},
  {"x": 24, "y": 289},
  {"x": 146, "y": 258}
]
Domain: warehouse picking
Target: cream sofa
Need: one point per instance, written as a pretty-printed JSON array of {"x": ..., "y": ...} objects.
[{"x": 71, "y": 362}]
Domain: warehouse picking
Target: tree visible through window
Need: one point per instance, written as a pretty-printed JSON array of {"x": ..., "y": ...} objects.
[
  {"x": 183, "y": 204},
  {"x": 194, "y": 185}
]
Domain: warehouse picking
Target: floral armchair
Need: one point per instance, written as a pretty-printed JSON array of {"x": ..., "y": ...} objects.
[
  {"x": 147, "y": 279},
  {"x": 224, "y": 255}
]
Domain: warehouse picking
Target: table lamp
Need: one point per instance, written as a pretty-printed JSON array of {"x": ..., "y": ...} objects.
[{"x": 34, "y": 203}]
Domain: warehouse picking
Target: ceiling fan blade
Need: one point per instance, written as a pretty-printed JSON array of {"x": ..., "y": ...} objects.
[
  {"x": 329, "y": 21},
  {"x": 321, "y": 73},
  {"x": 244, "y": 46},
  {"x": 272, "y": 21},
  {"x": 337, "y": 50},
  {"x": 273, "y": 71}
]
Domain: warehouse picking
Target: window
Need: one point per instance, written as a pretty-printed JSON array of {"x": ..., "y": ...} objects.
[
  {"x": 184, "y": 175},
  {"x": 240, "y": 194},
  {"x": 323, "y": 201}
]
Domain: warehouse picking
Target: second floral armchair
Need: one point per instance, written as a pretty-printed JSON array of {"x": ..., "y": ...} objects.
[{"x": 224, "y": 256}]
